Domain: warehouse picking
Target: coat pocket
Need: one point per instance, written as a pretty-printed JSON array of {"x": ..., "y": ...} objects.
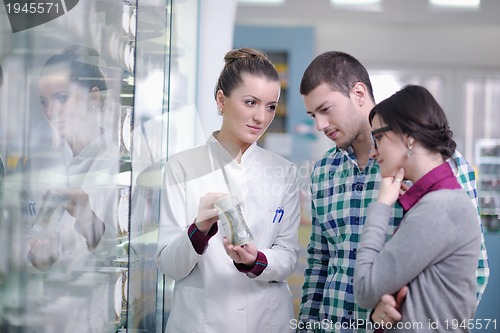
[{"x": 188, "y": 310}]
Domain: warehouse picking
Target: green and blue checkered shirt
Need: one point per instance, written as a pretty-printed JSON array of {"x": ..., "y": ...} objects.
[{"x": 341, "y": 192}]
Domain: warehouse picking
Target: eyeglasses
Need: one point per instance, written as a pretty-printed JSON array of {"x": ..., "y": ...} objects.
[{"x": 378, "y": 131}]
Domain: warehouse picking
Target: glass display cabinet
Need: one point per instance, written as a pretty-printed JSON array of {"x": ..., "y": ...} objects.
[
  {"x": 488, "y": 162},
  {"x": 83, "y": 161}
]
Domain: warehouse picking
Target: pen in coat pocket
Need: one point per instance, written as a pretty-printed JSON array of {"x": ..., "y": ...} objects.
[
  {"x": 32, "y": 208},
  {"x": 278, "y": 215}
]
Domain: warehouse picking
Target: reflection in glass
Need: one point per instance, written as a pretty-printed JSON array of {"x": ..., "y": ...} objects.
[
  {"x": 69, "y": 188},
  {"x": 84, "y": 144}
]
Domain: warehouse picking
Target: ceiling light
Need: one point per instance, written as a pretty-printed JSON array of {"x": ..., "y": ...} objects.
[
  {"x": 456, "y": 3},
  {"x": 261, "y": 2},
  {"x": 367, "y": 5},
  {"x": 354, "y": 2}
]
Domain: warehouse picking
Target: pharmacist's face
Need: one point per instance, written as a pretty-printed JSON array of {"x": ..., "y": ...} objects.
[
  {"x": 66, "y": 104},
  {"x": 249, "y": 109}
]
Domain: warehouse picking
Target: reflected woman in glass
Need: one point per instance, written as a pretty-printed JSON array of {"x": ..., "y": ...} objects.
[
  {"x": 222, "y": 287},
  {"x": 70, "y": 193},
  {"x": 71, "y": 88}
]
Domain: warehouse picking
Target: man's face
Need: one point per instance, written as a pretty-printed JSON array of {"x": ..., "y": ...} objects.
[{"x": 335, "y": 114}]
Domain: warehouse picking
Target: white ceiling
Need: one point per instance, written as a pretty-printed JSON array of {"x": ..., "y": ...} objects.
[{"x": 418, "y": 12}]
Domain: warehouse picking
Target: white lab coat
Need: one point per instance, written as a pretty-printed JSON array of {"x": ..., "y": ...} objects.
[
  {"x": 94, "y": 171},
  {"x": 82, "y": 302},
  {"x": 210, "y": 294}
]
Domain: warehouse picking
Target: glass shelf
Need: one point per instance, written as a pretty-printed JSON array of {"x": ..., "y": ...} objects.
[{"x": 98, "y": 272}]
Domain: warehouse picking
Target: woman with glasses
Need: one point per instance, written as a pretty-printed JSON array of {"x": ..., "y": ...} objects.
[{"x": 435, "y": 248}]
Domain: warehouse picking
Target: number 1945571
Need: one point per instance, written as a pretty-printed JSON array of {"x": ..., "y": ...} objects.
[{"x": 33, "y": 7}]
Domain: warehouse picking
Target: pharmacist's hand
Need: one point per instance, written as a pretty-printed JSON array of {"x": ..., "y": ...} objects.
[
  {"x": 207, "y": 214},
  {"x": 86, "y": 221},
  {"x": 245, "y": 254},
  {"x": 77, "y": 203},
  {"x": 44, "y": 252},
  {"x": 388, "y": 309},
  {"x": 391, "y": 188}
]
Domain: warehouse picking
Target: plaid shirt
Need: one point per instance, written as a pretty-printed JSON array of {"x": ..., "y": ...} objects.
[{"x": 341, "y": 192}]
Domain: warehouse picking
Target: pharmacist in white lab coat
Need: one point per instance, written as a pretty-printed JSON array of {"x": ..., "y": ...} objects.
[
  {"x": 69, "y": 200},
  {"x": 220, "y": 287},
  {"x": 70, "y": 187}
]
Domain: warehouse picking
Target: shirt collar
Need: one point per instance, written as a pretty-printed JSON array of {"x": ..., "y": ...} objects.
[
  {"x": 439, "y": 178},
  {"x": 246, "y": 157},
  {"x": 102, "y": 146},
  {"x": 350, "y": 155}
]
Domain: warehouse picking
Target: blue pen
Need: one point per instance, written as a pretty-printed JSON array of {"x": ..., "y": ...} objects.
[
  {"x": 32, "y": 208},
  {"x": 275, "y": 214},
  {"x": 280, "y": 211}
]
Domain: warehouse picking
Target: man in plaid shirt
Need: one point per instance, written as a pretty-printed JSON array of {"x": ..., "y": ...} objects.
[{"x": 337, "y": 93}]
